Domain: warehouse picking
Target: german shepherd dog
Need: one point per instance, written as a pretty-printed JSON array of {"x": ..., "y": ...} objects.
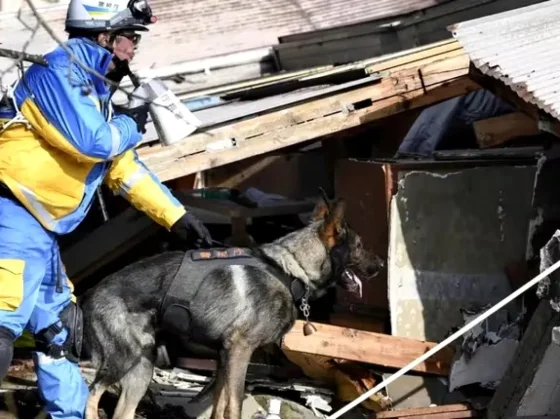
[{"x": 237, "y": 306}]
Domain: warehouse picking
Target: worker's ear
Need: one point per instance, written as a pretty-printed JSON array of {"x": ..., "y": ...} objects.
[{"x": 103, "y": 39}]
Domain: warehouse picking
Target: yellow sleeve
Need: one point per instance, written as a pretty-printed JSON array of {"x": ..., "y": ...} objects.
[{"x": 129, "y": 177}]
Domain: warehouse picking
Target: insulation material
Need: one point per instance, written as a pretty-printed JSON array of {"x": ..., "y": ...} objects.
[
  {"x": 549, "y": 287},
  {"x": 486, "y": 350}
]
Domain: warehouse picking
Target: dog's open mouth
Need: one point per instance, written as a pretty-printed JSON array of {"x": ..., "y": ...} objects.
[{"x": 351, "y": 282}]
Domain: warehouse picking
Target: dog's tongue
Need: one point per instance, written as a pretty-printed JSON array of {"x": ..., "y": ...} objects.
[{"x": 352, "y": 282}]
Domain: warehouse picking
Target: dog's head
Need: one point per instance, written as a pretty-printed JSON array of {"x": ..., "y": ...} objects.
[{"x": 350, "y": 261}]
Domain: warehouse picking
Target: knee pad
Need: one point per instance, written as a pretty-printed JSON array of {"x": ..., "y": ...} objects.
[
  {"x": 7, "y": 338},
  {"x": 71, "y": 319}
]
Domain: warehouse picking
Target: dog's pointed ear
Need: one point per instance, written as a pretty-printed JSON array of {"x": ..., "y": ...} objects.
[
  {"x": 333, "y": 224},
  {"x": 320, "y": 211}
]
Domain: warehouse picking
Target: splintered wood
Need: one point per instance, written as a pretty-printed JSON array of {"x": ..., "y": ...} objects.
[
  {"x": 450, "y": 411},
  {"x": 407, "y": 82},
  {"x": 368, "y": 347}
]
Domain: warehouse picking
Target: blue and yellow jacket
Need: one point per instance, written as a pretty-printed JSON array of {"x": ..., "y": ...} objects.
[{"x": 70, "y": 142}]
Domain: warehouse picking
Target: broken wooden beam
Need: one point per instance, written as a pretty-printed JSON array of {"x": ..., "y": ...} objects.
[
  {"x": 368, "y": 347},
  {"x": 495, "y": 131},
  {"x": 403, "y": 90},
  {"x": 450, "y": 411}
]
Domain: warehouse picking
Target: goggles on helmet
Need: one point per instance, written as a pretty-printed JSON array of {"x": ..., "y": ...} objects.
[{"x": 138, "y": 12}]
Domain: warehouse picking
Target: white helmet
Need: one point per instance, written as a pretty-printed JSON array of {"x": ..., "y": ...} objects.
[{"x": 106, "y": 15}]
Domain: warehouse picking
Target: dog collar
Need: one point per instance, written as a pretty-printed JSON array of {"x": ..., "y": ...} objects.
[{"x": 295, "y": 285}]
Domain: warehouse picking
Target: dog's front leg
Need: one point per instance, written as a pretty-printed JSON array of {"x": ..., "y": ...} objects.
[{"x": 236, "y": 372}]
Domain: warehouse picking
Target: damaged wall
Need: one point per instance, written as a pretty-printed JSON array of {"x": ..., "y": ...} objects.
[
  {"x": 531, "y": 385},
  {"x": 546, "y": 204},
  {"x": 452, "y": 233}
]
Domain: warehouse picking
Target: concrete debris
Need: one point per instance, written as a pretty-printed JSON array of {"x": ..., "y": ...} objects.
[
  {"x": 549, "y": 287},
  {"x": 486, "y": 350},
  {"x": 417, "y": 391},
  {"x": 178, "y": 388},
  {"x": 317, "y": 402},
  {"x": 179, "y": 378}
]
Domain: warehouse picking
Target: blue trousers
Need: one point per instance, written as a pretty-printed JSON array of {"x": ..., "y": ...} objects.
[{"x": 30, "y": 267}]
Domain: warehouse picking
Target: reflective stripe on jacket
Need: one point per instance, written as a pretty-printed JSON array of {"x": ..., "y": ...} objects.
[{"x": 73, "y": 143}]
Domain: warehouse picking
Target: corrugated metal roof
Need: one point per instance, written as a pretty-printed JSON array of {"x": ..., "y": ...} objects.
[
  {"x": 520, "y": 48},
  {"x": 188, "y": 30}
]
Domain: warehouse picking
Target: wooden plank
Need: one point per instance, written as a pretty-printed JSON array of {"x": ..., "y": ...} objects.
[
  {"x": 252, "y": 127},
  {"x": 403, "y": 413},
  {"x": 311, "y": 130},
  {"x": 403, "y": 90},
  {"x": 196, "y": 143},
  {"x": 368, "y": 347},
  {"x": 498, "y": 130},
  {"x": 227, "y": 114},
  {"x": 444, "y": 415}
]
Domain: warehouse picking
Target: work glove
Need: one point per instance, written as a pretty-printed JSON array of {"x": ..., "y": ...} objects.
[
  {"x": 139, "y": 114},
  {"x": 188, "y": 223}
]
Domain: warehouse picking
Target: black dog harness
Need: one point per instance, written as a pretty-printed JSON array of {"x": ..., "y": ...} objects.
[{"x": 197, "y": 266}]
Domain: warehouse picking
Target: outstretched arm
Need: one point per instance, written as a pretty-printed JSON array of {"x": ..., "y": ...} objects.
[{"x": 130, "y": 178}]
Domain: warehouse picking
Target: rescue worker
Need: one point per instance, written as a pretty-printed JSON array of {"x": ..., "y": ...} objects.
[{"x": 59, "y": 140}]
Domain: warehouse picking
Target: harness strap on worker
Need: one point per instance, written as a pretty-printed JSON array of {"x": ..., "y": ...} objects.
[{"x": 44, "y": 342}]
